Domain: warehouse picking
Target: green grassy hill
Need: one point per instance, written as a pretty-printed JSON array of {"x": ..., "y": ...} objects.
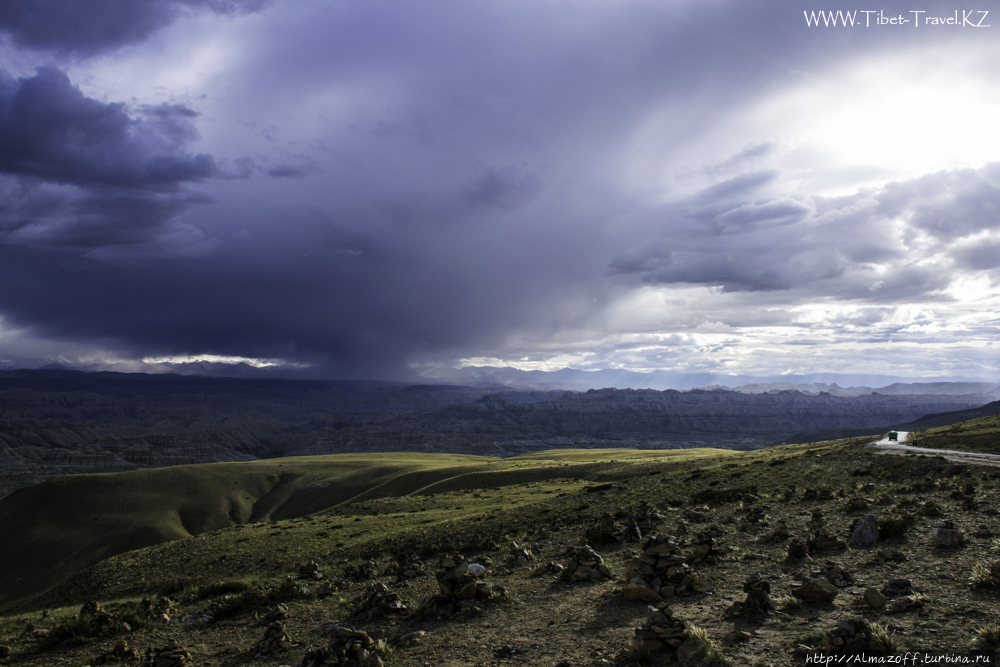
[{"x": 225, "y": 542}]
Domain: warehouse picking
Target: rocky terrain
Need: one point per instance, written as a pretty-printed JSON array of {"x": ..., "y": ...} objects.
[
  {"x": 60, "y": 422},
  {"x": 582, "y": 559}
]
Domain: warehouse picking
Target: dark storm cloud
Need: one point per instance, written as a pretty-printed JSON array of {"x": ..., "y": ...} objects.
[
  {"x": 85, "y": 173},
  {"x": 459, "y": 187},
  {"x": 49, "y": 130},
  {"x": 87, "y": 27}
]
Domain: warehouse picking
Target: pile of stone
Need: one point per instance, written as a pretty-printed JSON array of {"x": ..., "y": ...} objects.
[
  {"x": 607, "y": 530},
  {"x": 348, "y": 647},
  {"x": 890, "y": 555},
  {"x": 551, "y": 567},
  {"x": 279, "y": 613},
  {"x": 103, "y": 621},
  {"x": 905, "y": 599},
  {"x": 520, "y": 556},
  {"x": 983, "y": 531},
  {"x": 797, "y": 550},
  {"x": 823, "y": 493},
  {"x": 661, "y": 634},
  {"x": 946, "y": 534},
  {"x": 758, "y": 600},
  {"x": 460, "y": 584},
  {"x": 585, "y": 564},
  {"x": 696, "y": 515},
  {"x": 852, "y": 637},
  {"x": 171, "y": 655},
  {"x": 645, "y": 518},
  {"x": 789, "y": 493},
  {"x": 273, "y": 640},
  {"x": 776, "y": 534},
  {"x": 752, "y": 519},
  {"x": 835, "y": 574},
  {"x": 929, "y": 509},
  {"x": 362, "y": 571},
  {"x": 160, "y": 610},
  {"x": 310, "y": 572},
  {"x": 704, "y": 549},
  {"x": 822, "y": 540},
  {"x": 119, "y": 653},
  {"x": 659, "y": 567},
  {"x": 378, "y": 601},
  {"x": 410, "y": 568},
  {"x": 865, "y": 532}
]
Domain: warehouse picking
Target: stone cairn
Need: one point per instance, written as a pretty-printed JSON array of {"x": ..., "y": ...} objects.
[
  {"x": 835, "y": 574},
  {"x": 661, "y": 633},
  {"x": 171, "y": 655},
  {"x": 362, "y": 571},
  {"x": 929, "y": 508},
  {"x": 158, "y": 611},
  {"x": 459, "y": 585},
  {"x": 273, "y": 640},
  {"x": 753, "y": 519},
  {"x": 822, "y": 493},
  {"x": 704, "y": 549},
  {"x": 119, "y": 653},
  {"x": 776, "y": 534},
  {"x": 850, "y": 637},
  {"x": 310, "y": 572},
  {"x": 410, "y": 568},
  {"x": 378, "y": 601},
  {"x": 103, "y": 620},
  {"x": 585, "y": 564},
  {"x": 348, "y": 646},
  {"x": 607, "y": 530},
  {"x": 659, "y": 568},
  {"x": 946, "y": 534},
  {"x": 797, "y": 550},
  {"x": 279, "y": 613},
  {"x": 865, "y": 532},
  {"x": 905, "y": 599},
  {"x": 758, "y": 600}
]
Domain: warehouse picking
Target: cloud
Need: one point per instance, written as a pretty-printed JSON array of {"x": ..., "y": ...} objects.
[
  {"x": 83, "y": 173},
  {"x": 88, "y": 28}
]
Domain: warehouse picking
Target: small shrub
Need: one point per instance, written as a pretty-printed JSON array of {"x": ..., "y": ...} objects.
[
  {"x": 980, "y": 577},
  {"x": 637, "y": 653},
  {"x": 988, "y": 636},
  {"x": 895, "y": 527},
  {"x": 881, "y": 633},
  {"x": 713, "y": 653},
  {"x": 788, "y": 602},
  {"x": 225, "y": 588}
]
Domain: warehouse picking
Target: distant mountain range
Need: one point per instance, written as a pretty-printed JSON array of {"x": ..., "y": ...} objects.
[{"x": 838, "y": 384}]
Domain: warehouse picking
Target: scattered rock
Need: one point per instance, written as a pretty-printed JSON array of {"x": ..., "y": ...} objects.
[
  {"x": 639, "y": 591},
  {"x": 776, "y": 534},
  {"x": 866, "y": 533},
  {"x": 519, "y": 556},
  {"x": 410, "y": 568},
  {"x": 836, "y": 575},
  {"x": 551, "y": 567},
  {"x": 362, "y": 571}
]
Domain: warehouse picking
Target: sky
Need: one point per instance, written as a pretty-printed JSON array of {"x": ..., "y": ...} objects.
[{"x": 382, "y": 188}]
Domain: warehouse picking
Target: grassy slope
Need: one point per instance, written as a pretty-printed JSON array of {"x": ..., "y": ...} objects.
[
  {"x": 977, "y": 435},
  {"x": 66, "y": 524}
]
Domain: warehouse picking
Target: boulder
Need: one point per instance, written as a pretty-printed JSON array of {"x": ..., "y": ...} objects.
[
  {"x": 866, "y": 533},
  {"x": 874, "y": 599},
  {"x": 946, "y": 535},
  {"x": 816, "y": 590}
]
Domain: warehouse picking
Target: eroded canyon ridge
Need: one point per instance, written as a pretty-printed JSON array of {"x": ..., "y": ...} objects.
[{"x": 62, "y": 422}]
